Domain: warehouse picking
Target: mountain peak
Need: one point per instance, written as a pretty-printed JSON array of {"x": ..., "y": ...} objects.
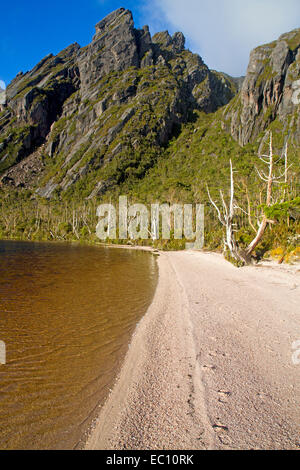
[
  {"x": 270, "y": 91},
  {"x": 292, "y": 38},
  {"x": 94, "y": 105},
  {"x": 113, "y": 19}
]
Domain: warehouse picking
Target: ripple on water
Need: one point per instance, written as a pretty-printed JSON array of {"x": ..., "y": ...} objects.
[{"x": 66, "y": 315}]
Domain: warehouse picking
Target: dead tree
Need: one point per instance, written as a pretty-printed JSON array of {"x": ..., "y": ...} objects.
[
  {"x": 286, "y": 168},
  {"x": 270, "y": 178},
  {"x": 227, "y": 216},
  {"x": 75, "y": 224}
]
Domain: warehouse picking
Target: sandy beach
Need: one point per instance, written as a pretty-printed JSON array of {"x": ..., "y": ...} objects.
[{"x": 210, "y": 364}]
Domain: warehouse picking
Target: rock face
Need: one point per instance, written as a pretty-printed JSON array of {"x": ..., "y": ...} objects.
[
  {"x": 2, "y": 97},
  {"x": 92, "y": 116},
  {"x": 271, "y": 90},
  {"x": 114, "y": 48}
]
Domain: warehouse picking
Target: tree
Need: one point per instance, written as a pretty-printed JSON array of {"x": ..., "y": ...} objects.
[{"x": 227, "y": 216}]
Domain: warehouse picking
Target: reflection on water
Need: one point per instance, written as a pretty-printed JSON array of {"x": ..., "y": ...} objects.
[{"x": 66, "y": 316}]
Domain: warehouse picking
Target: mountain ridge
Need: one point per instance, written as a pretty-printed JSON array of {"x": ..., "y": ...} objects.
[
  {"x": 125, "y": 60},
  {"x": 270, "y": 91},
  {"x": 142, "y": 116}
]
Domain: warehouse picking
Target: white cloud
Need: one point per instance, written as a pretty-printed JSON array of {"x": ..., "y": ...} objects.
[
  {"x": 2, "y": 85},
  {"x": 224, "y": 31}
]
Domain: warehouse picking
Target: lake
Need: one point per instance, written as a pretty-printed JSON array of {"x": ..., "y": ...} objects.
[{"x": 67, "y": 313}]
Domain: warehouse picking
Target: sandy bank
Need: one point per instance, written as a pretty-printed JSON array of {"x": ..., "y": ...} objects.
[{"x": 210, "y": 364}]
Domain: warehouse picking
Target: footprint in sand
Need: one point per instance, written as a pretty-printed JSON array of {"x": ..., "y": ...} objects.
[
  {"x": 225, "y": 440},
  {"x": 223, "y": 396},
  {"x": 217, "y": 354},
  {"x": 212, "y": 354},
  {"x": 219, "y": 427},
  {"x": 209, "y": 368},
  {"x": 221, "y": 430}
]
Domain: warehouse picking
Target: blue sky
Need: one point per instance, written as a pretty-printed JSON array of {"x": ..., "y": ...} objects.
[{"x": 222, "y": 31}]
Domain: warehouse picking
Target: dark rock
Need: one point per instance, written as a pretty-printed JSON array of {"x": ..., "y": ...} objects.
[
  {"x": 163, "y": 39},
  {"x": 107, "y": 23},
  {"x": 269, "y": 90},
  {"x": 114, "y": 48},
  {"x": 178, "y": 41},
  {"x": 87, "y": 105},
  {"x": 144, "y": 42}
]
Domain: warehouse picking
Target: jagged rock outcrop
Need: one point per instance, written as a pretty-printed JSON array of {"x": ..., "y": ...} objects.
[
  {"x": 114, "y": 48},
  {"x": 97, "y": 114},
  {"x": 271, "y": 90},
  {"x": 34, "y": 102}
]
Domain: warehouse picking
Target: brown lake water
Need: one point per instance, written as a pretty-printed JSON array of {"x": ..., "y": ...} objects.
[{"x": 67, "y": 313}]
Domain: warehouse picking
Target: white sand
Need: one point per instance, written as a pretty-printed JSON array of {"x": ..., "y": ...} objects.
[{"x": 210, "y": 365}]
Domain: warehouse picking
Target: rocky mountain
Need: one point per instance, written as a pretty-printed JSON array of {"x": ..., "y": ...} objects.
[
  {"x": 88, "y": 118},
  {"x": 270, "y": 91}
]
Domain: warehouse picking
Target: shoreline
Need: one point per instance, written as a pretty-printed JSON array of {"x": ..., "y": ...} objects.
[
  {"x": 149, "y": 369},
  {"x": 265, "y": 262},
  {"x": 82, "y": 243},
  {"x": 185, "y": 375},
  {"x": 212, "y": 333}
]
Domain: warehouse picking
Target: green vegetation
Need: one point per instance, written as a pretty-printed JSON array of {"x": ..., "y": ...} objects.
[
  {"x": 126, "y": 135},
  {"x": 149, "y": 173},
  {"x": 267, "y": 74},
  {"x": 14, "y": 144},
  {"x": 293, "y": 39}
]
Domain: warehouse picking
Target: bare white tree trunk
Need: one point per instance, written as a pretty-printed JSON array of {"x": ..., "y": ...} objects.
[
  {"x": 269, "y": 179},
  {"x": 226, "y": 217},
  {"x": 74, "y": 224}
]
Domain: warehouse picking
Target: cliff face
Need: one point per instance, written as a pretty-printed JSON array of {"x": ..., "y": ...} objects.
[
  {"x": 271, "y": 90},
  {"x": 91, "y": 114},
  {"x": 91, "y": 118}
]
